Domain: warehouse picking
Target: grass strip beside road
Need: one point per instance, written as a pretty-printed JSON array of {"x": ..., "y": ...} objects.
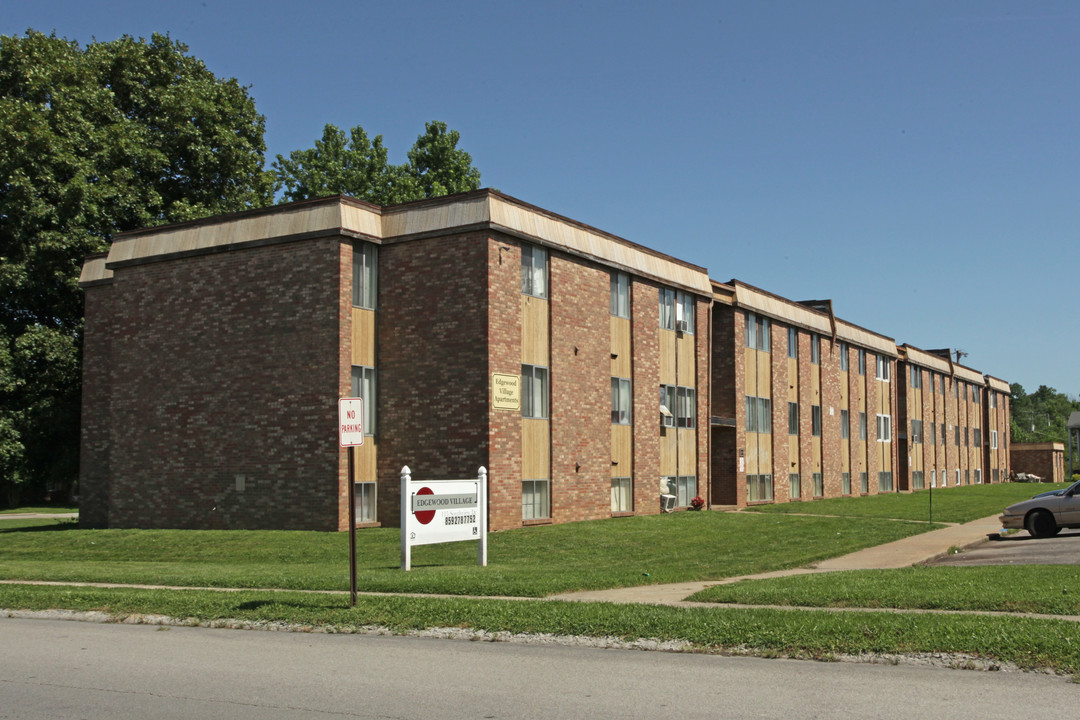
[
  {"x": 1029, "y": 643},
  {"x": 1048, "y": 589},
  {"x": 531, "y": 562},
  {"x": 950, "y": 505}
]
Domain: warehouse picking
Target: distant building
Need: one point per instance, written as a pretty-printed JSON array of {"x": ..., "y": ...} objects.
[{"x": 1047, "y": 460}]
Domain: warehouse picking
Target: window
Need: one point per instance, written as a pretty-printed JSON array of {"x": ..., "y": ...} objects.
[
  {"x": 884, "y": 428},
  {"x": 933, "y": 478},
  {"x": 758, "y": 332},
  {"x": 687, "y": 490},
  {"x": 845, "y": 424},
  {"x": 759, "y": 488},
  {"x": 795, "y": 484},
  {"x": 916, "y": 377},
  {"x": 883, "y": 368},
  {"x": 958, "y": 477},
  {"x": 967, "y": 477},
  {"x": 621, "y": 495},
  {"x": 862, "y": 361},
  {"x": 956, "y": 435},
  {"x": 993, "y": 440},
  {"x": 944, "y": 392},
  {"x": 978, "y": 476},
  {"x": 963, "y": 390},
  {"x": 918, "y": 480},
  {"x": 993, "y": 399},
  {"x": 363, "y": 386},
  {"x": 364, "y": 275},
  {"x": 995, "y": 475},
  {"x": 976, "y": 437},
  {"x": 364, "y": 499},
  {"x": 975, "y": 393},
  {"x": 932, "y": 434},
  {"x": 815, "y": 348},
  {"x": 792, "y": 342},
  {"x": 967, "y": 436},
  {"x": 686, "y": 415},
  {"x": 535, "y": 503},
  {"x": 864, "y": 483},
  {"x": 793, "y": 418},
  {"x": 667, "y": 309},
  {"x": 819, "y": 485},
  {"x": 933, "y": 381},
  {"x": 534, "y": 271},
  {"x": 534, "y": 391},
  {"x": 684, "y": 313},
  {"x": 843, "y": 356},
  {"x": 667, "y": 406},
  {"x": 620, "y": 401},
  {"x": 845, "y": 480},
  {"x": 916, "y": 432},
  {"x": 815, "y": 420},
  {"x": 956, "y": 389},
  {"x": 620, "y": 294},
  {"x": 944, "y": 435},
  {"x": 862, "y": 426},
  {"x": 758, "y": 415},
  {"x": 884, "y": 482}
]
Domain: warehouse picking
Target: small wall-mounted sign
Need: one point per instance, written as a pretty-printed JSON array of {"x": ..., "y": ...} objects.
[{"x": 505, "y": 391}]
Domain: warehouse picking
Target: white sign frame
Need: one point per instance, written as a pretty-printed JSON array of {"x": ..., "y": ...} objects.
[
  {"x": 350, "y": 421},
  {"x": 438, "y": 511}
]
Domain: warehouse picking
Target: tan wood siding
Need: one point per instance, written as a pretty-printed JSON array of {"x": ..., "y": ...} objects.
[
  {"x": 667, "y": 358},
  {"x": 620, "y": 347},
  {"x": 535, "y": 344},
  {"x": 622, "y": 451},
  {"x": 363, "y": 337},
  {"x": 535, "y": 449}
]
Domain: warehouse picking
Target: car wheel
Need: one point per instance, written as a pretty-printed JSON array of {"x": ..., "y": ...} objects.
[{"x": 1041, "y": 524}]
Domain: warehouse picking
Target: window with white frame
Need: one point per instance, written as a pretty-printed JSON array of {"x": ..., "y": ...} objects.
[
  {"x": 993, "y": 399},
  {"x": 978, "y": 476},
  {"x": 684, "y": 312},
  {"x": 993, "y": 440},
  {"x": 758, "y": 334},
  {"x": 884, "y": 428},
  {"x": 364, "y": 499},
  {"x": 844, "y": 356},
  {"x": 535, "y": 500},
  {"x": 792, "y": 342},
  {"x": 884, "y": 368},
  {"x": 686, "y": 415},
  {"x": 620, "y": 294},
  {"x": 815, "y": 420},
  {"x": 758, "y": 415},
  {"x": 687, "y": 490},
  {"x": 958, "y": 477},
  {"x": 364, "y": 275},
  {"x": 793, "y": 418},
  {"x": 918, "y": 480},
  {"x": 667, "y": 309},
  {"x": 363, "y": 387},
  {"x": 933, "y": 478},
  {"x": 534, "y": 391},
  {"x": 759, "y": 488},
  {"x": 667, "y": 406},
  {"x": 916, "y": 432},
  {"x": 794, "y": 486},
  {"x": 534, "y": 273},
  {"x": 621, "y": 495},
  {"x": 620, "y": 401}
]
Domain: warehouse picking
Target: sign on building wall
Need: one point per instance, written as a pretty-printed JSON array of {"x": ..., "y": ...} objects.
[
  {"x": 505, "y": 391},
  {"x": 438, "y": 511}
]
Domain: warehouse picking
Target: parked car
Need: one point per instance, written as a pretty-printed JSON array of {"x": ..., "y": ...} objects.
[{"x": 1045, "y": 514}]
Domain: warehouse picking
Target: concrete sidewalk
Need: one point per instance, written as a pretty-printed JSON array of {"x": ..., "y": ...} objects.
[{"x": 898, "y": 554}]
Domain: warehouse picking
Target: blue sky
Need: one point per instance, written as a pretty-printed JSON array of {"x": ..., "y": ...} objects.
[{"x": 917, "y": 162}]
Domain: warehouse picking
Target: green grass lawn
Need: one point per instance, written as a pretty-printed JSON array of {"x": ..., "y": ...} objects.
[
  {"x": 1050, "y": 589},
  {"x": 951, "y": 505},
  {"x": 532, "y": 562},
  {"x": 48, "y": 509}
]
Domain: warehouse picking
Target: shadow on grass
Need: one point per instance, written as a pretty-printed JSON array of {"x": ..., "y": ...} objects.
[
  {"x": 60, "y": 525},
  {"x": 320, "y": 603}
]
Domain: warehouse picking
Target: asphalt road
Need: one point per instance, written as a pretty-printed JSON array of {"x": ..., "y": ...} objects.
[
  {"x": 1021, "y": 549},
  {"x": 62, "y": 669}
]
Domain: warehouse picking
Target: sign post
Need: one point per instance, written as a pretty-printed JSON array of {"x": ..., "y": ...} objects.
[
  {"x": 438, "y": 511},
  {"x": 351, "y": 434}
]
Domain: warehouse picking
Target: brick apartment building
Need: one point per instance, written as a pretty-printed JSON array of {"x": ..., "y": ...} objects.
[{"x": 589, "y": 374}]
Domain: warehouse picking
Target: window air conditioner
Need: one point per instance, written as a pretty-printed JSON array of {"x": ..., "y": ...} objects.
[
  {"x": 682, "y": 326},
  {"x": 667, "y": 503}
]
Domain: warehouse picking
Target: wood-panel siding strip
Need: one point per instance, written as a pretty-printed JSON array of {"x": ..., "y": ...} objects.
[
  {"x": 620, "y": 347},
  {"x": 535, "y": 449},
  {"x": 622, "y": 451},
  {"x": 535, "y": 343},
  {"x": 363, "y": 337}
]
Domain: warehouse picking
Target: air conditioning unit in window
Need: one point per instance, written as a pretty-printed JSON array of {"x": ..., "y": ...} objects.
[
  {"x": 667, "y": 503},
  {"x": 682, "y": 326}
]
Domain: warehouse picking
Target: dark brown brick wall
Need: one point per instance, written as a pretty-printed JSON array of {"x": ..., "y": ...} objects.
[
  {"x": 726, "y": 364},
  {"x": 226, "y": 365},
  {"x": 94, "y": 469}
]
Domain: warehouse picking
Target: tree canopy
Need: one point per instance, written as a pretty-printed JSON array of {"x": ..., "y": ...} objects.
[
  {"x": 95, "y": 140},
  {"x": 341, "y": 164},
  {"x": 1041, "y": 416}
]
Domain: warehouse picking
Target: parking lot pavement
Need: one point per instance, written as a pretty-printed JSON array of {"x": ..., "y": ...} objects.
[{"x": 1020, "y": 549}]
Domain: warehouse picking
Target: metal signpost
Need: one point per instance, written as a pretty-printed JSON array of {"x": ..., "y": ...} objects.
[
  {"x": 350, "y": 435},
  {"x": 438, "y": 511}
]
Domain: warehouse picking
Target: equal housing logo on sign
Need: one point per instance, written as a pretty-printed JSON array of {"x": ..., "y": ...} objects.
[{"x": 438, "y": 511}]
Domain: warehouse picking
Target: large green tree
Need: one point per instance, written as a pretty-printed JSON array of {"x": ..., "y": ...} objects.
[
  {"x": 354, "y": 165},
  {"x": 1041, "y": 416},
  {"x": 94, "y": 140}
]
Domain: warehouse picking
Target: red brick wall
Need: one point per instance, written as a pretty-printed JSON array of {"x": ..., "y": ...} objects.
[
  {"x": 432, "y": 328},
  {"x": 645, "y": 385},
  {"x": 94, "y": 469},
  {"x": 580, "y": 390},
  {"x": 701, "y": 380},
  {"x": 831, "y": 378},
  {"x": 226, "y": 364}
]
